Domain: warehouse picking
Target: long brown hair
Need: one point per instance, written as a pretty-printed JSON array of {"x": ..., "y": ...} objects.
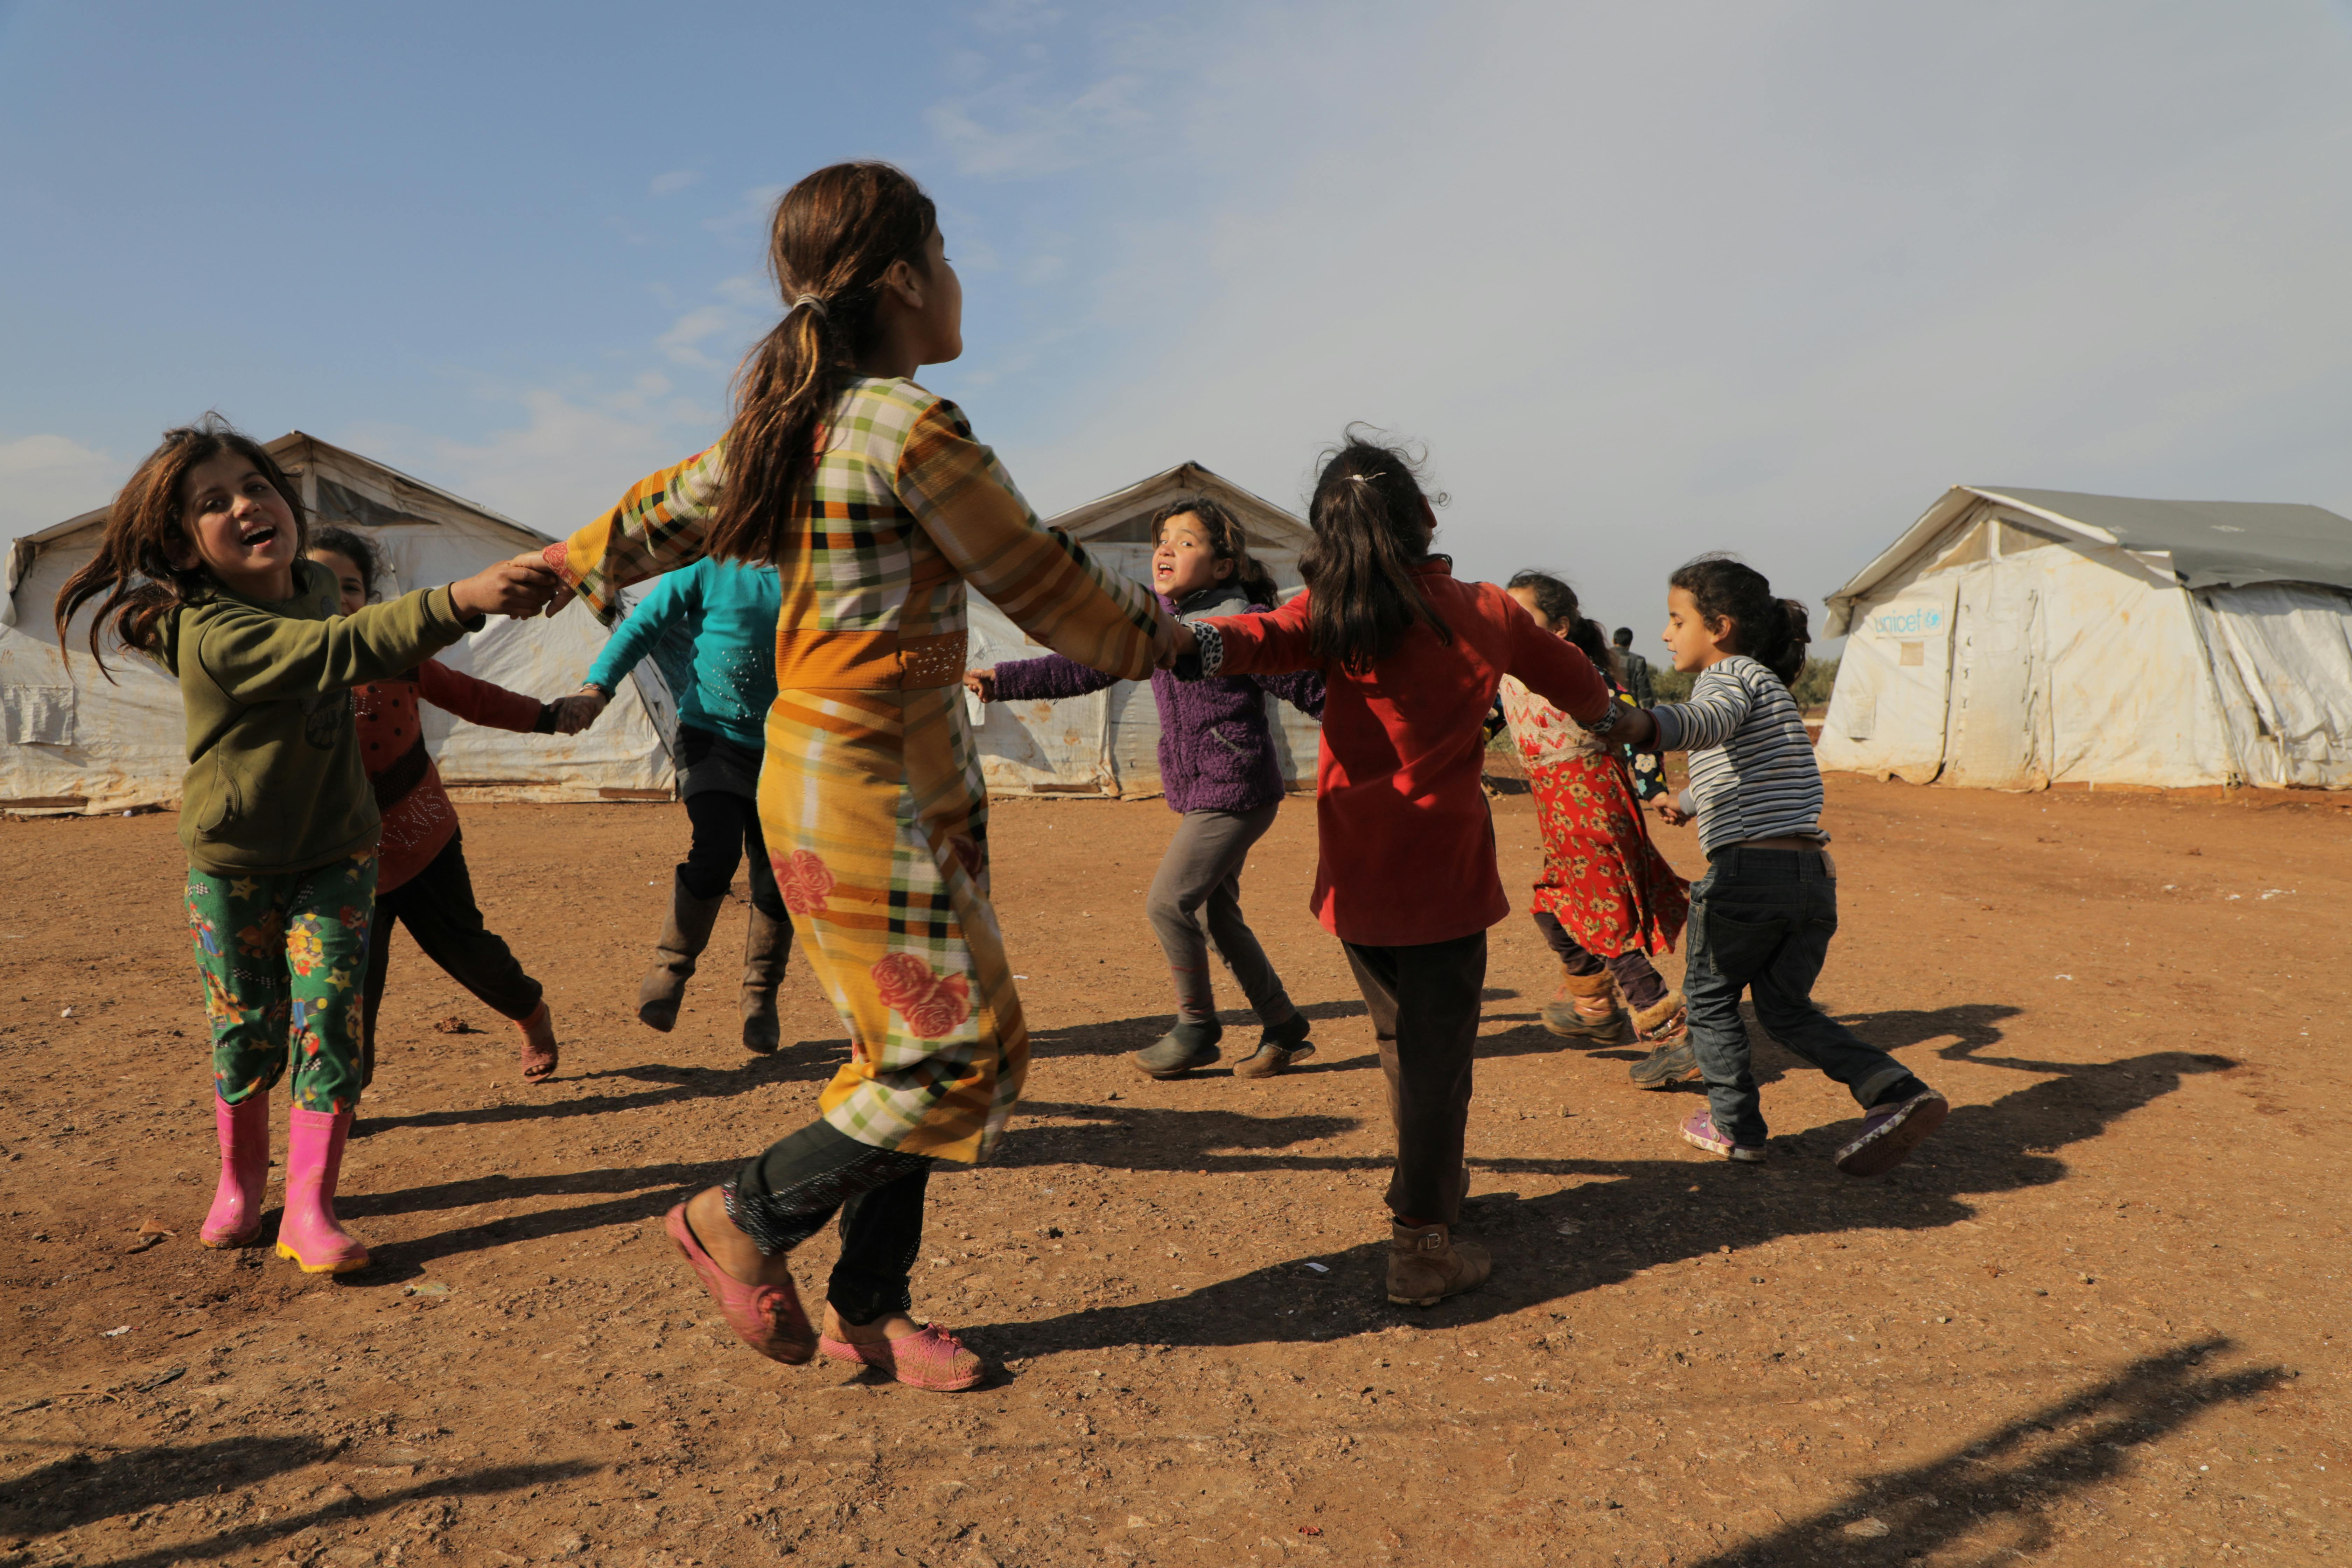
[
  {"x": 1363, "y": 593},
  {"x": 132, "y": 569},
  {"x": 1227, "y": 542},
  {"x": 834, "y": 236}
]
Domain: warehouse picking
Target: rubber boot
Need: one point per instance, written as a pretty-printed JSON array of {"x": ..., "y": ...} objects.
[
  {"x": 684, "y": 936},
  {"x": 234, "y": 1219},
  {"x": 1564, "y": 1017},
  {"x": 1427, "y": 1264},
  {"x": 767, "y": 947},
  {"x": 309, "y": 1232}
]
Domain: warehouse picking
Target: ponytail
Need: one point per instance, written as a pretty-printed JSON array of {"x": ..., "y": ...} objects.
[
  {"x": 1369, "y": 515},
  {"x": 1773, "y": 632},
  {"x": 834, "y": 238}
]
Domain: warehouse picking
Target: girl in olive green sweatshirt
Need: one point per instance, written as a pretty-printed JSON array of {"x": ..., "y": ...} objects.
[{"x": 202, "y": 567}]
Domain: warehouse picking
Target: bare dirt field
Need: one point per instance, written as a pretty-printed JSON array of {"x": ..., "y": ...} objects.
[{"x": 2100, "y": 1321}]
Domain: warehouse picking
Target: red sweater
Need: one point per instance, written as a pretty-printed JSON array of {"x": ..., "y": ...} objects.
[
  {"x": 418, "y": 820},
  {"x": 1407, "y": 844}
]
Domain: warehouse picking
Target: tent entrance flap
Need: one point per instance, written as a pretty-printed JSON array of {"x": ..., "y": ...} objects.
[
  {"x": 2287, "y": 648},
  {"x": 1995, "y": 679},
  {"x": 1887, "y": 712}
]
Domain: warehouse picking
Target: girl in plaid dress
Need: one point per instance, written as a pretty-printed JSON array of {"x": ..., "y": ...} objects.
[{"x": 877, "y": 507}]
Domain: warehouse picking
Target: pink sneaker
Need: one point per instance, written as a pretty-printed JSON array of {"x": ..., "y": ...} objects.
[
  {"x": 933, "y": 1359},
  {"x": 1701, "y": 1132},
  {"x": 768, "y": 1318},
  {"x": 244, "y": 1130},
  {"x": 308, "y": 1232}
]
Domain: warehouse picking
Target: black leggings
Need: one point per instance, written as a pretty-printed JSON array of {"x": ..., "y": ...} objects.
[
  {"x": 438, "y": 907},
  {"x": 786, "y": 1194},
  {"x": 727, "y": 829}
]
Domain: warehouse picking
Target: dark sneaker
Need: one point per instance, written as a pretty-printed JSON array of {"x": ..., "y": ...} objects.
[
  {"x": 1890, "y": 1132},
  {"x": 1670, "y": 1064},
  {"x": 1281, "y": 1045},
  {"x": 1564, "y": 1018},
  {"x": 1179, "y": 1050},
  {"x": 1701, "y": 1132}
]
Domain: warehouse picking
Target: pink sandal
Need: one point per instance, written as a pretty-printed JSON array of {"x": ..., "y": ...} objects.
[
  {"x": 933, "y": 1359},
  {"x": 768, "y": 1318}
]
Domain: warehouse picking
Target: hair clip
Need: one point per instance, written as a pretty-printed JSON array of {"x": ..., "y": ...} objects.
[{"x": 811, "y": 301}]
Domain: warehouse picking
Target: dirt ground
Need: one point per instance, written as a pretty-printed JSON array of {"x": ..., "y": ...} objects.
[{"x": 2101, "y": 1321}]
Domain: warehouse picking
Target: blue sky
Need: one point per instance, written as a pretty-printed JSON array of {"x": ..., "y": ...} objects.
[{"x": 1647, "y": 280}]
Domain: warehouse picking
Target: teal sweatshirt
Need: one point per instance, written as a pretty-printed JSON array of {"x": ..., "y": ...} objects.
[{"x": 711, "y": 628}]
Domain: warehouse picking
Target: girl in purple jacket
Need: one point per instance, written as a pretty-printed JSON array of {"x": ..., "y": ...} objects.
[{"x": 1217, "y": 765}]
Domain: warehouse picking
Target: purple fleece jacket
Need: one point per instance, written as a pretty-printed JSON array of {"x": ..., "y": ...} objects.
[{"x": 1216, "y": 751}]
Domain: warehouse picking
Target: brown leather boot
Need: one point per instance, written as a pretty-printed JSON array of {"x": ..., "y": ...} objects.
[
  {"x": 766, "y": 949},
  {"x": 684, "y": 936},
  {"x": 1427, "y": 1264},
  {"x": 1587, "y": 1010}
]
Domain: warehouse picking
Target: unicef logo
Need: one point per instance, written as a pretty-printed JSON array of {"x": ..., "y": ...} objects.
[{"x": 1907, "y": 623}]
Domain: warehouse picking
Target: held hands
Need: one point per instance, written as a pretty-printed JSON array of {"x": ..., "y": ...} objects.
[
  {"x": 981, "y": 683},
  {"x": 562, "y": 595},
  {"x": 1673, "y": 816},
  {"x": 1182, "y": 644},
  {"x": 517, "y": 588},
  {"x": 577, "y": 712}
]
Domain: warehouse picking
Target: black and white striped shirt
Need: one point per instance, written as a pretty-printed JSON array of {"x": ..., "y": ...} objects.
[{"x": 1752, "y": 774}]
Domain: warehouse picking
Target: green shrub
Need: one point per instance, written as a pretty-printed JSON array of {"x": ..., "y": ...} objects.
[{"x": 1811, "y": 688}]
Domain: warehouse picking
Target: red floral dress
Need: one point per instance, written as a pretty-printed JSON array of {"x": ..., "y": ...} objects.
[{"x": 1602, "y": 880}]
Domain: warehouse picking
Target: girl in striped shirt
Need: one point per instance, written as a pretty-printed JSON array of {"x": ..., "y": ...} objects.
[{"x": 1761, "y": 918}]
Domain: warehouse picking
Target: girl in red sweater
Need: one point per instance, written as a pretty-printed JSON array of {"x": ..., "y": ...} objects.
[
  {"x": 1410, "y": 661},
  {"x": 421, "y": 877}
]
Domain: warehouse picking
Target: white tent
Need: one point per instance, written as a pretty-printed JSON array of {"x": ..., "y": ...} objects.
[
  {"x": 1107, "y": 744},
  {"x": 77, "y": 743},
  {"x": 2016, "y": 639}
]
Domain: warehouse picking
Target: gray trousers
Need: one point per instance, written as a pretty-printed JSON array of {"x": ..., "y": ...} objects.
[{"x": 1200, "y": 882}]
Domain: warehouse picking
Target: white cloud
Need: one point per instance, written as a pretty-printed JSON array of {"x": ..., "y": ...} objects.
[
  {"x": 1649, "y": 287},
  {"x": 676, "y": 180},
  {"x": 46, "y": 479}
]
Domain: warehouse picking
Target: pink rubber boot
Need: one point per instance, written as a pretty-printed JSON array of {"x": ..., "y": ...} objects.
[
  {"x": 244, "y": 1128},
  {"x": 308, "y": 1232}
]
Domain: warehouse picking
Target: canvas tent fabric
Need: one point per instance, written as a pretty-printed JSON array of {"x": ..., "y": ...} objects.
[
  {"x": 75, "y": 742},
  {"x": 2018, "y": 638},
  {"x": 1107, "y": 744}
]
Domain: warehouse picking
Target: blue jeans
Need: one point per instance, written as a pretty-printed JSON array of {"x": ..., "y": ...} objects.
[{"x": 1761, "y": 921}]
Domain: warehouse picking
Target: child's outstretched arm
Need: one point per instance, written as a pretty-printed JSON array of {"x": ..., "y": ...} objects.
[
  {"x": 483, "y": 702},
  {"x": 1044, "y": 582},
  {"x": 1271, "y": 642},
  {"x": 253, "y": 655},
  {"x": 1302, "y": 689},
  {"x": 661, "y": 522},
  {"x": 1559, "y": 672},
  {"x": 1048, "y": 679}
]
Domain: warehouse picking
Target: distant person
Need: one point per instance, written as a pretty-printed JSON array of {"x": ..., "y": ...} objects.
[
  {"x": 202, "y": 568},
  {"x": 1606, "y": 898},
  {"x": 727, "y": 610},
  {"x": 1761, "y": 918},
  {"x": 1635, "y": 678},
  {"x": 421, "y": 880},
  {"x": 1218, "y": 767},
  {"x": 1406, "y": 878}
]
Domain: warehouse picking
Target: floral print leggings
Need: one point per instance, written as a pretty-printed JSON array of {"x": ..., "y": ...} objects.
[{"x": 283, "y": 958}]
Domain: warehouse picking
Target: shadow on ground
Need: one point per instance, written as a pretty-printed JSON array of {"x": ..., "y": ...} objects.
[
  {"x": 1628, "y": 1215},
  {"x": 2012, "y": 1475}
]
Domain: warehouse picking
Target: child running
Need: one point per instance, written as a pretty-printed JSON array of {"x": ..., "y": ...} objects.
[
  {"x": 881, "y": 511},
  {"x": 202, "y": 567},
  {"x": 1406, "y": 875},
  {"x": 1218, "y": 769},
  {"x": 1761, "y": 918},
  {"x": 727, "y": 610},
  {"x": 1607, "y": 898},
  {"x": 421, "y": 879}
]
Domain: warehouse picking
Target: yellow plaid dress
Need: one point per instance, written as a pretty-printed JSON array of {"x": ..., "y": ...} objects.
[{"x": 871, "y": 796}]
